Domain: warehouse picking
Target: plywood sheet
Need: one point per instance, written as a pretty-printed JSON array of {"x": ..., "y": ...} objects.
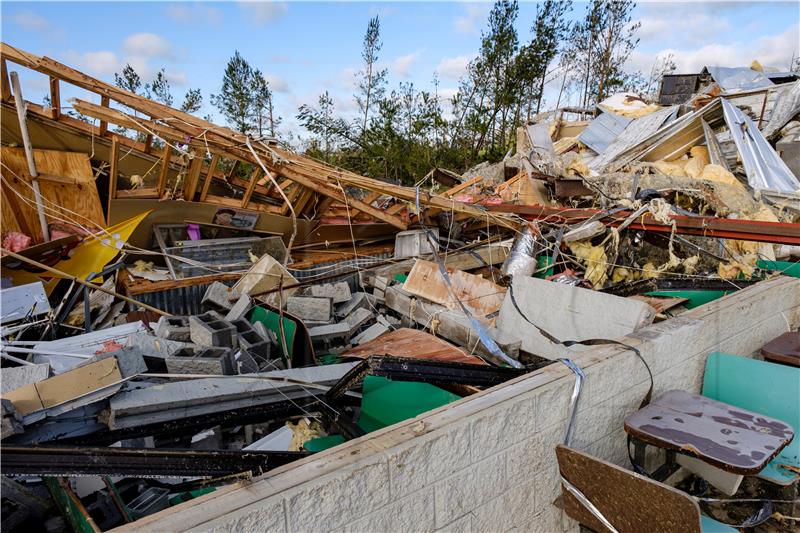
[
  {"x": 481, "y": 296},
  {"x": 630, "y": 502},
  {"x": 66, "y": 181},
  {"x": 414, "y": 344}
]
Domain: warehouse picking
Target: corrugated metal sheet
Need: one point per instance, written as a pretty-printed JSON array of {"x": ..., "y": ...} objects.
[
  {"x": 732, "y": 79},
  {"x": 636, "y": 132},
  {"x": 764, "y": 168},
  {"x": 602, "y": 131}
]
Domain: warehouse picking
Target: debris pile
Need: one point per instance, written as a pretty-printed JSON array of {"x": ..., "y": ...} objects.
[{"x": 195, "y": 328}]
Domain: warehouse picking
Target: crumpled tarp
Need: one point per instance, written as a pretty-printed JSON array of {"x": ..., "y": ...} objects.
[{"x": 764, "y": 168}]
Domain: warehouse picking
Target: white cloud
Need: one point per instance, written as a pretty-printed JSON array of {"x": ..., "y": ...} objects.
[
  {"x": 102, "y": 62},
  {"x": 453, "y": 68},
  {"x": 176, "y": 78},
  {"x": 402, "y": 65},
  {"x": 194, "y": 13},
  {"x": 30, "y": 21},
  {"x": 261, "y": 12},
  {"x": 695, "y": 29},
  {"x": 278, "y": 84},
  {"x": 468, "y": 22},
  {"x": 772, "y": 50},
  {"x": 149, "y": 45},
  {"x": 347, "y": 78}
]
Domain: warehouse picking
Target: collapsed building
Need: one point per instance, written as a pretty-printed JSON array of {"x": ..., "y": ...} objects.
[{"x": 306, "y": 348}]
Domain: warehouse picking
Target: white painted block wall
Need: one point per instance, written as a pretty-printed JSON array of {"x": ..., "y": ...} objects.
[{"x": 487, "y": 463}]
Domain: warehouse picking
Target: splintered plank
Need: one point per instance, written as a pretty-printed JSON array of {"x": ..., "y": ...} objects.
[{"x": 414, "y": 344}]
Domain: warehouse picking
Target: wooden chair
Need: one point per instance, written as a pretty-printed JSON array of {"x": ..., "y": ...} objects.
[{"x": 629, "y": 502}]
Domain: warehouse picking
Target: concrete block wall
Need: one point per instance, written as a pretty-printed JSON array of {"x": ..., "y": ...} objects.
[{"x": 487, "y": 463}]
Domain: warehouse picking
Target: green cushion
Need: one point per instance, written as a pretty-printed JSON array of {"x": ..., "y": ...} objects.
[{"x": 767, "y": 388}]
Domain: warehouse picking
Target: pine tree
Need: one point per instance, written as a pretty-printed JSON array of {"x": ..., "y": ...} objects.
[
  {"x": 371, "y": 81},
  {"x": 235, "y": 100},
  {"x": 159, "y": 89},
  {"x": 613, "y": 48},
  {"x": 192, "y": 101},
  {"x": 128, "y": 80},
  {"x": 266, "y": 121}
]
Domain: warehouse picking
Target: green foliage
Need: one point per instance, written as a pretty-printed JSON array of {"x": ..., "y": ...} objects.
[
  {"x": 370, "y": 81},
  {"x": 159, "y": 89},
  {"x": 128, "y": 80},
  {"x": 192, "y": 101},
  {"x": 234, "y": 100}
]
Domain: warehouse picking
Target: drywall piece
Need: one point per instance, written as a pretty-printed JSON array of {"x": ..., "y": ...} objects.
[
  {"x": 14, "y": 377},
  {"x": 481, "y": 296},
  {"x": 724, "y": 481},
  {"x": 581, "y": 314},
  {"x": 372, "y": 332},
  {"x": 265, "y": 275},
  {"x": 279, "y": 441},
  {"x": 454, "y": 326},
  {"x": 27, "y": 300},
  {"x": 65, "y": 387},
  {"x": 310, "y": 308},
  {"x": 414, "y": 243},
  {"x": 174, "y": 328},
  {"x": 338, "y": 292}
]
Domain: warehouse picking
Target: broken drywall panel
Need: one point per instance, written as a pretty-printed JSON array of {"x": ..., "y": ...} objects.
[
  {"x": 481, "y": 296},
  {"x": 567, "y": 313}
]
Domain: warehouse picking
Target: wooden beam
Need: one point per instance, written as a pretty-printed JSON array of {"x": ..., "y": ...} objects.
[
  {"x": 461, "y": 186},
  {"x": 162, "y": 174},
  {"x": 55, "y": 97},
  {"x": 5, "y": 84},
  {"x": 251, "y": 186},
  {"x": 112, "y": 176},
  {"x": 292, "y": 195},
  {"x": 148, "y": 143},
  {"x": 336, "y": 193},
  {"x": 193, "y": 176},
  {"x": 232, "y": 202},
  {"x": 212, "y": 168},
  {"x": 104, "y": 102}
]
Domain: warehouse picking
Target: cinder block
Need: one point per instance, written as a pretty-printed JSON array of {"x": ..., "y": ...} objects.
[
  {"x": 357, "y": 319},
  {"x": 207, "y": 330},
  {"x": 175, "y": 328},
  {"x": 212, "y": 360},
  {"x": 250, "y": 340},
  {"x": 372, "y": 332},
  {"x": 14, "y": 377},
  {"x": 329, "y": 332},
  {"x": 359, "y": 299},
  {"x": 240, "y": 308},
  {"x": 310, "y": 308},
  {"x": 130, "y": 360},
  {"x": 219, "y": 297},
  {"x": 338, "y": 292}
]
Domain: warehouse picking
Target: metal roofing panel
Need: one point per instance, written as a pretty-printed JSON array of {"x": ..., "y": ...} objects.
[
  {"x": 637, "y": 131},
  {"x": 738, "y": 78},
  {"x": 764, "y": 168},
  {"x": 602, "y": 131}
]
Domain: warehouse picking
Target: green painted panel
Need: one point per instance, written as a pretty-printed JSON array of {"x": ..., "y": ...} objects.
[
  {"x": 696, "y": 298},
  {"x": 787, "y": 268},
  {"x": 271, "y": 321},
  {"x": 767, "y": 388}
]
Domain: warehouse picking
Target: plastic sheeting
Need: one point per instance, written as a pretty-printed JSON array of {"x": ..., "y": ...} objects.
[{"x": 764, "y": 168}]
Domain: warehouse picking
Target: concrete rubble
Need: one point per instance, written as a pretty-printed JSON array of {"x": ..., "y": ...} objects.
[{"x": 262, "y": 342}]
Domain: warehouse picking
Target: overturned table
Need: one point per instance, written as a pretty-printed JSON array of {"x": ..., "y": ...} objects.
[{"x": 717, "y": 441}]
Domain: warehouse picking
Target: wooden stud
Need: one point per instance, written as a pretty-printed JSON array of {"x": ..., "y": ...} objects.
[
  {"x": 212, "y": 168},
  {"x": 162, "y": 175},
  {"x": 148, "y": 143},
  {"x": 55, "y": 97},
  {"x": 193, "y": 176},
  {"x": 251, "y": 186},
  {"x": 4, "y": 81},
  {"x": 104, "y": 101},
  {"x": 112, "y": 176}
]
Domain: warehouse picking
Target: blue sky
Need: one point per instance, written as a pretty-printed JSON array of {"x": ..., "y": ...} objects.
[{"x": 305, "y": 48}]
